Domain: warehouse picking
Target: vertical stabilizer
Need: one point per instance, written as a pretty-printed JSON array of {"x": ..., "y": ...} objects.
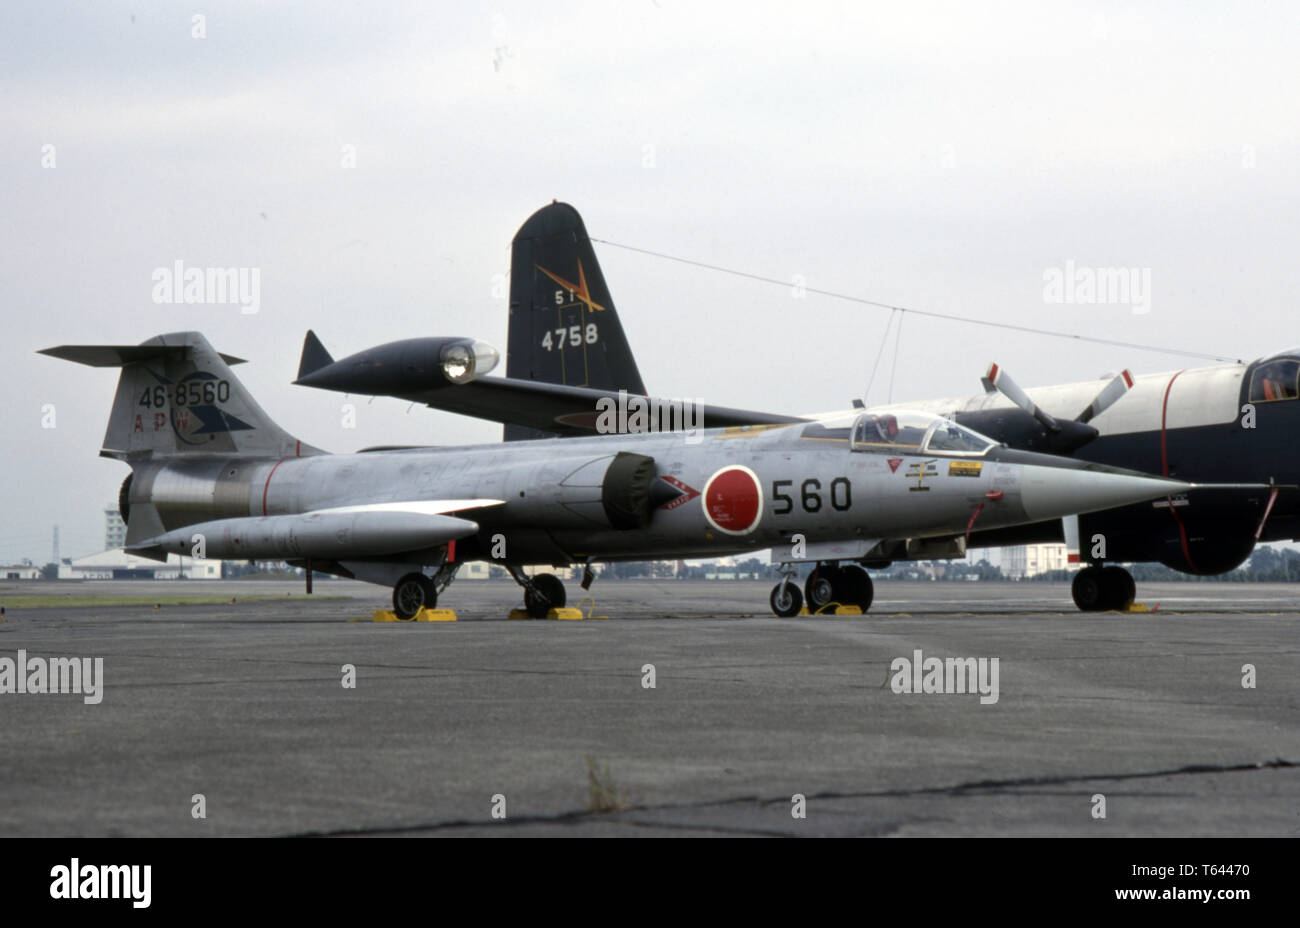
[
  {"x": 563, "y": 325},
  {"x": 177, "y": 395}
]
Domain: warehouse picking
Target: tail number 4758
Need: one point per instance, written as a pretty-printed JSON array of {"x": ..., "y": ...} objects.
[{"x": 574, "y": 335}]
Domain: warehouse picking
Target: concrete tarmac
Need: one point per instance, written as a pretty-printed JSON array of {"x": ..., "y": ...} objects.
[{"x": 243, "y": 704}]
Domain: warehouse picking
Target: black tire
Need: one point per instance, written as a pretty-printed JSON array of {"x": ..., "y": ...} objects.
[
  {"x": 1131, "y": 589},
  {"x": 819, "y": 588},
  {"x": 551, "y": 587},
  {"x": 789, "y": 604},
  {"x": 1089, "y": 589},
  {"x": 411, "y": 594},
  {"x": 853, "y": 587},
  {"x": 1119, "y": 586}
]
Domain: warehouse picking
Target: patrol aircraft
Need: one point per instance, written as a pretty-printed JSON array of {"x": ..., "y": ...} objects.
[
  {"x": 213, "y": 476},
  {"x": 1231, "y": 423}
]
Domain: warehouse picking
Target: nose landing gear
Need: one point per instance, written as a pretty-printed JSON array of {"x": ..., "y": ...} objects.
[{"x": 786, "y": 600}]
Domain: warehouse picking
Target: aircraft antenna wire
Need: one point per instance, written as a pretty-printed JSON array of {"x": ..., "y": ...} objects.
[
  {"x": 884, "y": 340},
  {"x": 893, "y": 368},
  {"x": 971, "y": 320}
]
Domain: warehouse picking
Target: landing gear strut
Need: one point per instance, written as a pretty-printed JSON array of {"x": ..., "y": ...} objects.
[
  {"x": 412, "y": 593},
  {"x": 786, "y": 600},
  {"x": 819, "y": 588},
  {"x": 416, "y": 591},
  {"x": 541, "y": 593},
  {"x": 846, "y": 584},
  {"x": 1097, "y": 589}
]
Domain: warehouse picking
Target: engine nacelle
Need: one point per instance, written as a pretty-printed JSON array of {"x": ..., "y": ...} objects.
[
  {"x": 160, "y": 497},
  {"x": 1209, "y": 556}
]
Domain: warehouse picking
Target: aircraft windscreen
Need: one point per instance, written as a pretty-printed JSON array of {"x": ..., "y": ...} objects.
[
  {"x": 890, "y": 432},
  {"x": 916, "y": 433},
  {"x": 1275, "y": 379},
  {"x": 951, "y": 437}
]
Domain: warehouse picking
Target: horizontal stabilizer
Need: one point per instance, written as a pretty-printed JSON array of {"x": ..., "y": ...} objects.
[{"x": 121, "y": 355}]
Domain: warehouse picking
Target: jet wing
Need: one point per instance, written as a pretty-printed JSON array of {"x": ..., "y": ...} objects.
[
  {"x": 566, "y": 410},
  {"x": 451, "y": 374}
]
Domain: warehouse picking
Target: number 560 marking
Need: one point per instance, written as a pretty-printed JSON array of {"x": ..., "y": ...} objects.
[{"x": 810, "y": 496}]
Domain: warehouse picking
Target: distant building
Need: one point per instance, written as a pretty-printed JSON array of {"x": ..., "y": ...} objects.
[
  {"x": 483, "y": 570},
  {"x": 118, "y": 565},
  {"x": 20, "y": 572},
  {"x": 114, "y": 529},
  {"x": 563, "y": 573},
  {"x": 1031, "y": 560}
]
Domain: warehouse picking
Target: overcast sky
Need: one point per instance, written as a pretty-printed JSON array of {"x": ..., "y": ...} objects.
[{"x": 938, "y": 156}]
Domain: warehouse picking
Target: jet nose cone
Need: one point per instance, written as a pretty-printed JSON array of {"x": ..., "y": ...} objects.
[{"x": 1050, "y": 492}]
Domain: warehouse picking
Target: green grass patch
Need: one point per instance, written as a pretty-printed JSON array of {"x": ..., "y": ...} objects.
[{"x": 603, "y": 794}]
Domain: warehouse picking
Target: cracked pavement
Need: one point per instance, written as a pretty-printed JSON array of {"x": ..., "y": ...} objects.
[{"x": 243, "y": 704}]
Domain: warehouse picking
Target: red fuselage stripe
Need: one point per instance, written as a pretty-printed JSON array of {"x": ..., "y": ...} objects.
[
  {"x": 973, "y": 516},
  {"x": 1164, "y": 469},
  {"x": 1164, "y": 416},
  {"x": 268, "y": 483},
  {"x": 1272, "y": 498}
]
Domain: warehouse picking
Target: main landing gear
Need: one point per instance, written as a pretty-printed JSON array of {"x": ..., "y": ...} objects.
[
  {"x": 830, "y": 582},
  {"x": 542, "y": 592},
  {"x": 1097, "y": 589},
  {"x": 415, "y": 591}
]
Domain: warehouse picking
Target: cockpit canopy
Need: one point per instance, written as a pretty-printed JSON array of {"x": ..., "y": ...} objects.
[
  {"x": 915, "y": 433},
  {"x": 1276, "y": 378}
]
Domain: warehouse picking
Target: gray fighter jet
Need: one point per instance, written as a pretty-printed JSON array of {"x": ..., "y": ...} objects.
[
  {"x": 1216, "y": 425},
  {"x": 213, "y": 476}
]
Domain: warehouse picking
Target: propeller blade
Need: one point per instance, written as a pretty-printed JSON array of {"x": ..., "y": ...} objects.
[
  {"x": 1002, "y": 381},
  {"x": 1122, "y": 383}
]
